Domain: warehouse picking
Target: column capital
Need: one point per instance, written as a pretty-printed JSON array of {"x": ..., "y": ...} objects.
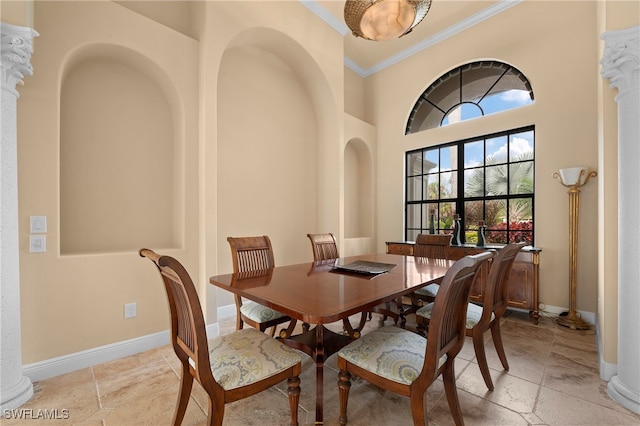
[
  {"x": 621, "y": 58},
  {"x": 16, "y": 49}
]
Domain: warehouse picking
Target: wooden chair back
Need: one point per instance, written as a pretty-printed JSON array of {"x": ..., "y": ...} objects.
[
  {"x": 188, "y": 331},
  {"x": 496, "y": 289},
  {"x": 447, "y": 327},
  {"x": 324, "y": 247},
  {"x": 432, "y": 246},
  {"x": 253, "y": 256},
  {"x": 325, "y": 251},
  {"x": 251, "y": 253}
]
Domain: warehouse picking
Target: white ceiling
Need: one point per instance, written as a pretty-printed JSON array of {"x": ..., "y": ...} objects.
[{"x": 445, "y": 18}]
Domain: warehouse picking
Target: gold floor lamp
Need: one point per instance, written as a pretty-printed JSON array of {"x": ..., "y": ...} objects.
[{"x": 572, "y": 178}]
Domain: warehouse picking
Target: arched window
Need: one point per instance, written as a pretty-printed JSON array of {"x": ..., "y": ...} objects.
[{"x": 471, "y": 90}]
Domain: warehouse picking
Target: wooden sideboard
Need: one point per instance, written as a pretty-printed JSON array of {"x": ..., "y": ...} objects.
[{"x": 523, "y": 280}]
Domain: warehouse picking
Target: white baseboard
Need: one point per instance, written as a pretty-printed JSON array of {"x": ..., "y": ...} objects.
[
  {"x": 589, "y": 317},
  {"x": 67, "y": 363}
]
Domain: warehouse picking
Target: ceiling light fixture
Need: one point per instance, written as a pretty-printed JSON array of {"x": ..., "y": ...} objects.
[{"x": 384, "y": 19}]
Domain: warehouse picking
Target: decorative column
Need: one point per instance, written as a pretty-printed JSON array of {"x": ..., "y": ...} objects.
[
  {"x": 15, "y": 54},
  {"x": 621, "y": 65}
]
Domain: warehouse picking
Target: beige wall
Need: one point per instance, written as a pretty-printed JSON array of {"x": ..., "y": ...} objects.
[
  {"x": 76, "y": 302},
  {"x": 292, "y": 187},
  {"x": 178, "y": 15},
  {"x": 354, "y": 98},
  {"x": 105, "y": 146},
  {"x": 241, "y": 174},
  {"x": 17, "y": 13},
  {"x": 359, "y": 215},
  {"x": 558, "y": 60}
]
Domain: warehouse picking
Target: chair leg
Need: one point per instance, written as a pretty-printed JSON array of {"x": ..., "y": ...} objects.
[
  {"x": 215, "y": 414},
  {"x": 401, "y": 314},
  {"x": 186, "y": 383},
  {"x": 481, "y": 357},
  {"x": 421, "y": 327},
  {"x": 293, "y": 390},
  {"x": 239, "y": 321},
  {"x": 417, "y": 409},
  {"x": 449, "y": 380},
  {"x": 496, "y": 335},
  {"x": 344, "y": 385}
]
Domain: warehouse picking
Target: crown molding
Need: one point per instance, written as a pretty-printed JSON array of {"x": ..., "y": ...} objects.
[
  {"x": 463, "y": 25},
  {"x": 326, "y": 16}
]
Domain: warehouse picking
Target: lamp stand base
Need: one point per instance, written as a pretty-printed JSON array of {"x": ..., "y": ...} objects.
[{"x": 574, "y": 322}]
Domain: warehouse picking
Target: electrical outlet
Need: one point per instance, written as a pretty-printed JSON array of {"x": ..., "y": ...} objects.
[{"x": 130, "y": 310}]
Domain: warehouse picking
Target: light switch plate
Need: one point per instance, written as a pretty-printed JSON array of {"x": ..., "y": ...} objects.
[
  {"x": 37, "y": 243},
  {"x": 38, "y": 224}
]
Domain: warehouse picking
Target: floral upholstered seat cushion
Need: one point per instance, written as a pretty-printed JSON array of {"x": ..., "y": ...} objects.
[
  {"x": 258, "y": 312},
  {"x": 247, "y": 356},
  {"x": 428, "y": 291},
  {"x": 390, "y": 352},
  {"x": 474, "y": 313}
]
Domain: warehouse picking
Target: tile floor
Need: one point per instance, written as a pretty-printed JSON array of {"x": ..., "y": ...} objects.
[{"x": 553, "y": 380}]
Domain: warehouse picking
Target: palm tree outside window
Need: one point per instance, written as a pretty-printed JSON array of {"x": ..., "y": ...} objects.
[{"x": 489, "y": 178}]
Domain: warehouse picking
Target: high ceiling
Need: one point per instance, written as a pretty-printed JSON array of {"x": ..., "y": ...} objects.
[{"x": 445, "y": 18}]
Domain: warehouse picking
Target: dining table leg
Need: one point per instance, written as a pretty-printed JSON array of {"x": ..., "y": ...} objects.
[
  {"x": 320, "y": 343},
  {"x": 319, "y": 358}
]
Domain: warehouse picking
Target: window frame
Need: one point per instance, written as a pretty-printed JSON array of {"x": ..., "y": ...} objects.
[
  {"x": 468, "y": 84},
  {"x": 460, "y": 198}
]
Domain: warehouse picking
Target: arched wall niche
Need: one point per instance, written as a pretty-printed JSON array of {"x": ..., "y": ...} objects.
[
  {"x": 277, "y": 131},
  {"x": 121, "y": 153},
  {"x": 358, "y": 190},
  {"x": 304, "y": 65}
]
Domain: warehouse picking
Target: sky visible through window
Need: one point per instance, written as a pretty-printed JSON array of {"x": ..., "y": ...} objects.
[
  {"x": 490, "y": 104},
  {"x": 497, "y": 149}
]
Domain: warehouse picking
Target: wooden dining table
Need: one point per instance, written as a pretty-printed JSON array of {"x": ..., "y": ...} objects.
[{"x": 317, "y": 293}]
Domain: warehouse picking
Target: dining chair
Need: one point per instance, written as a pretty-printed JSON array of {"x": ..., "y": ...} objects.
[
  {"x": 229, "y": 367},
  {"x": 325, "y": 248},
  {"x": 406, "y": 363},
  {"x": 434, "y": 246},
  {"x": 487, "y": 316},
  {"x": 251, "y": 254},
  {"x": 429, "y": 246}
]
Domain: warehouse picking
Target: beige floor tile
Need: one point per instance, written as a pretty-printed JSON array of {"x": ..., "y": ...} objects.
[
  {"x": 480, "y": 411},
  {"x": 510, "y": 392},
  {"x": 557, "y": 408},
  {"x": 139, "y": 385},
  {"x": 74, "y": 393},
  {"x": 574, "y": 378}
]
